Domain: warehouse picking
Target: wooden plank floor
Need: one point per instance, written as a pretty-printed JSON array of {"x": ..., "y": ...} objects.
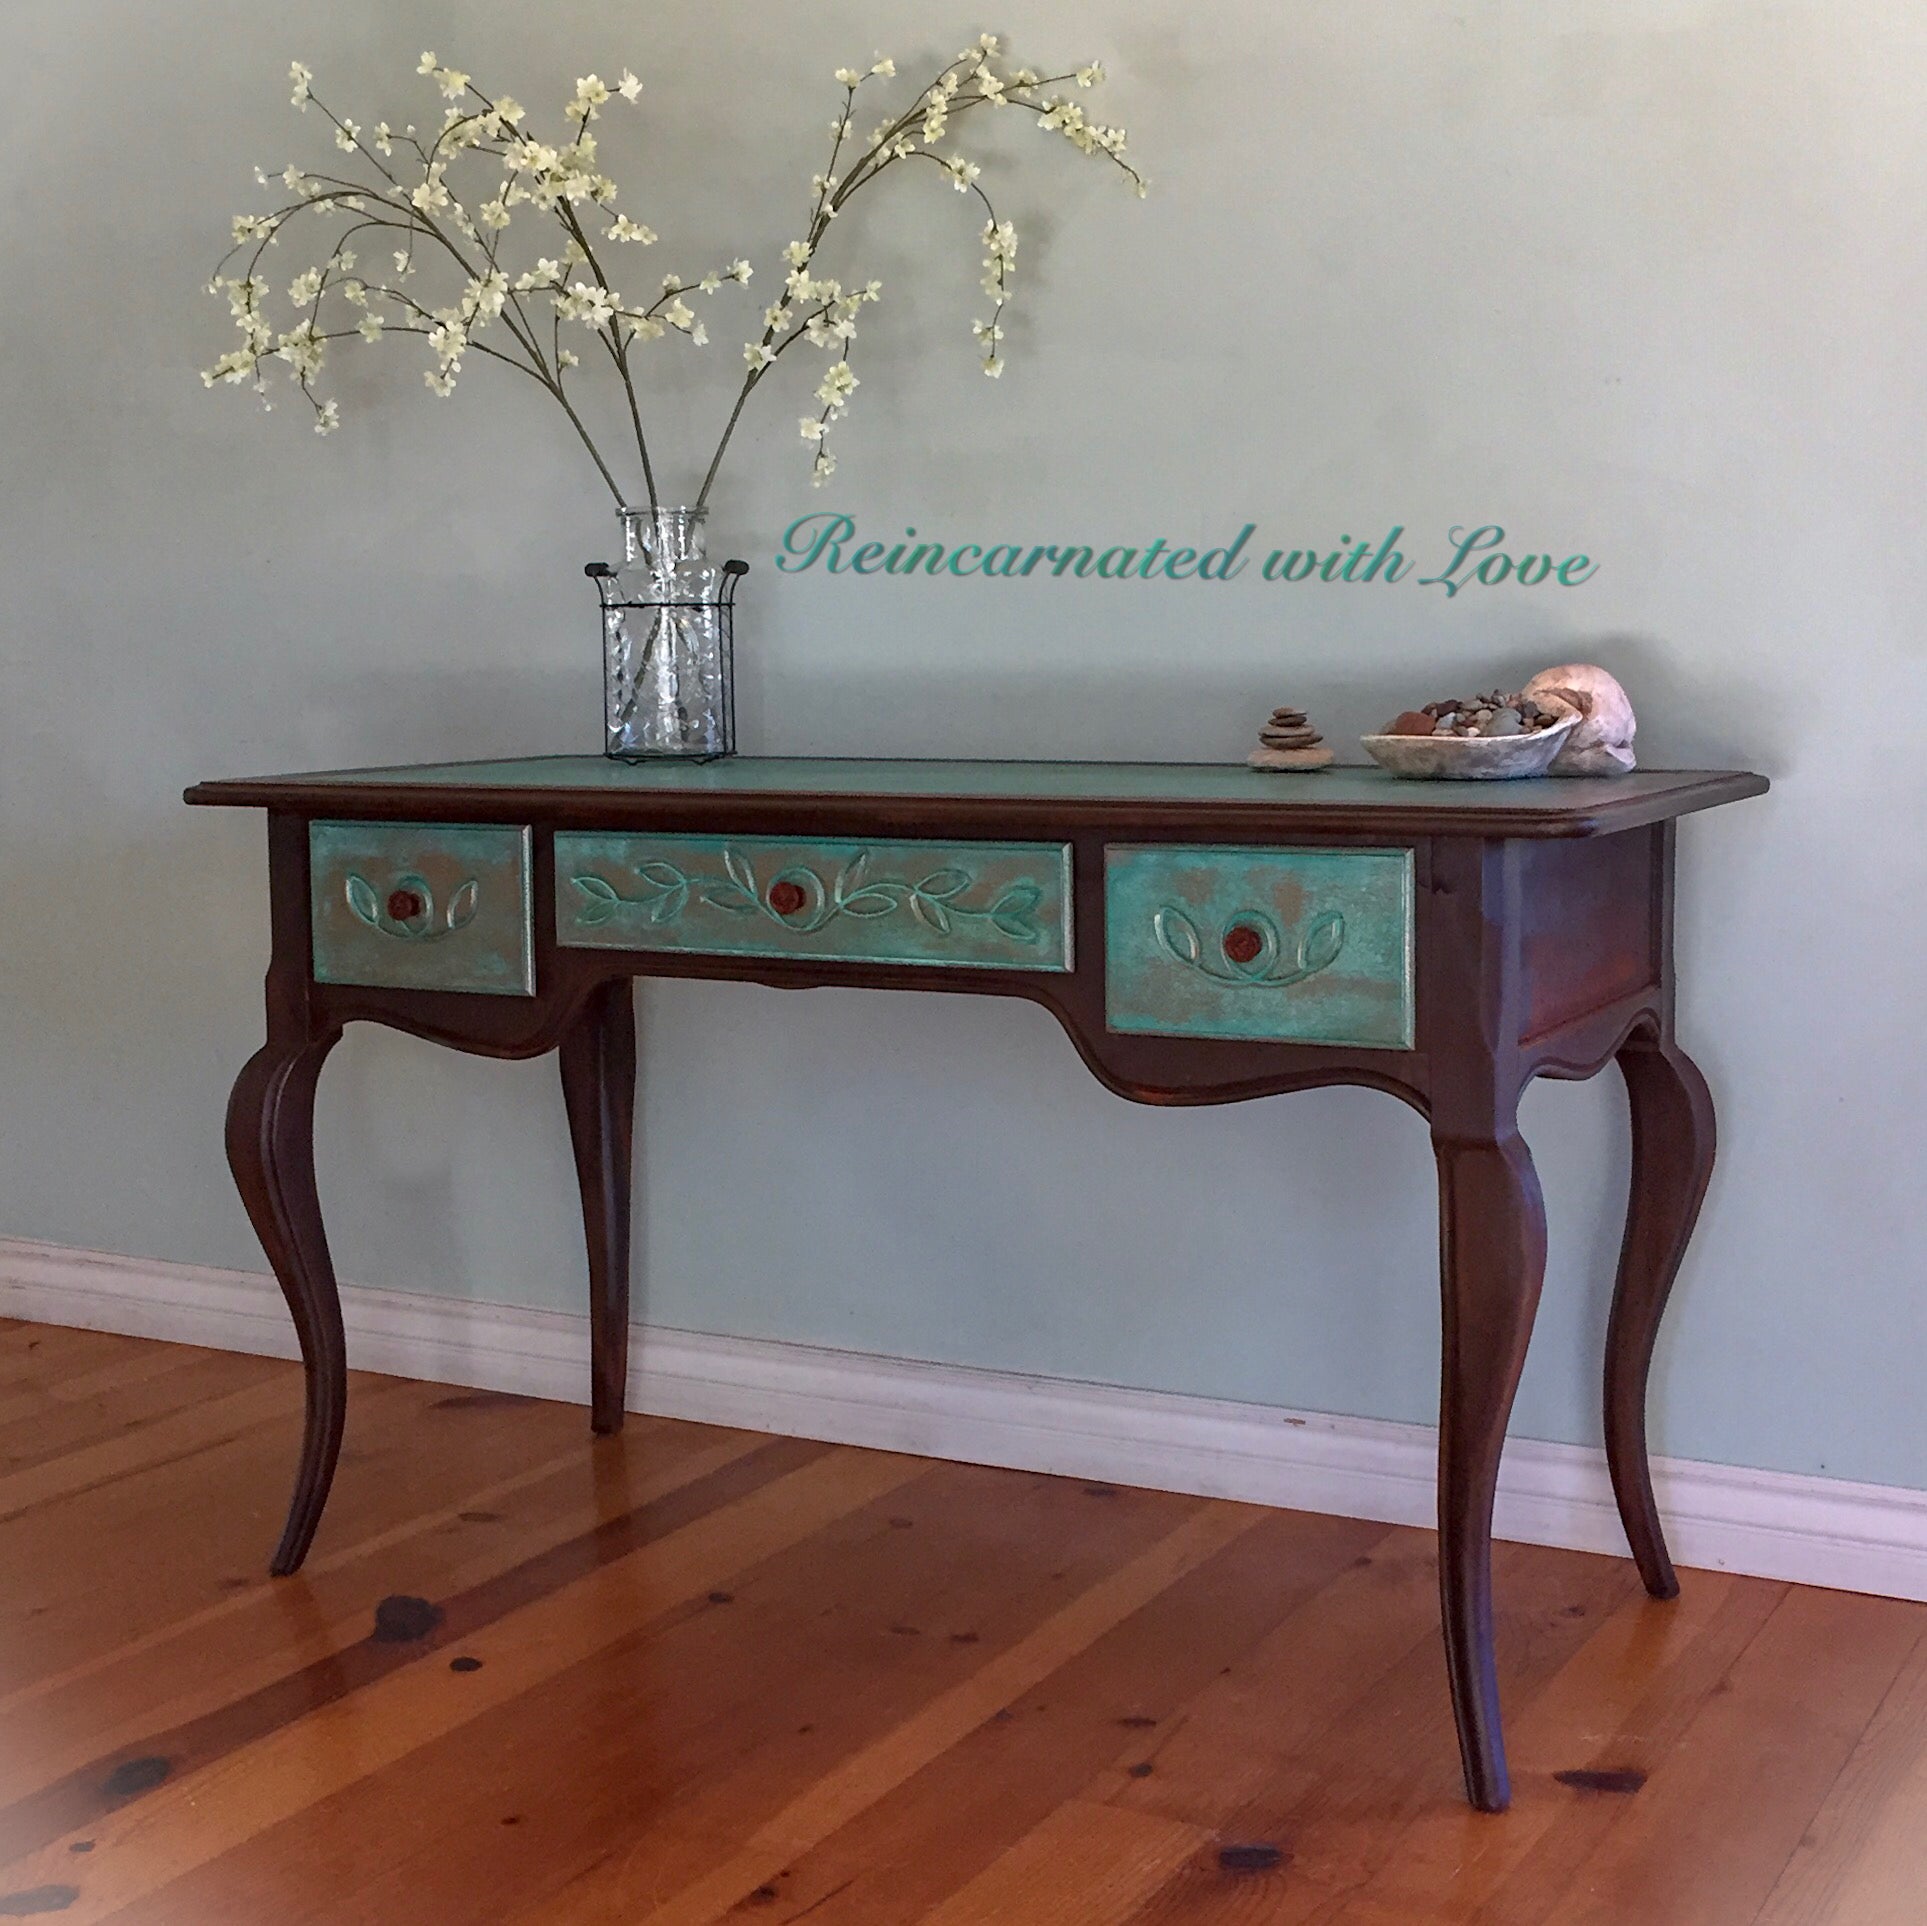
[{"x": 693, "y": 1675}]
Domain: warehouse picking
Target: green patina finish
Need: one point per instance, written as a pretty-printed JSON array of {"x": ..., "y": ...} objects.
[
  {"x": 422, "y": 906},
  {"x": 1001, "y": 905},
  {"x": 1297, "y": 945}
]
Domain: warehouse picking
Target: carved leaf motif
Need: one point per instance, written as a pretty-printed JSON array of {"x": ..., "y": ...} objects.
[
  {"x": 929, "y": 912},
  {"x": 874, "y": 901},
  {"x": 741, "y": 873},
  {"x": 1012, "y": 912},
  {"x": 850, "y": 876},
  {"x": 941, "y": 885},
  {"x": 1178, "y": 934},
  {"x": 667, "y": 891},
  {"x": 463, "y": 904},
  {"x": 361, "y": 900},
  {"x": 601, "y": 901},
  {"x": 732, "y": 897},
  {"x": 1323, "y": 940}
]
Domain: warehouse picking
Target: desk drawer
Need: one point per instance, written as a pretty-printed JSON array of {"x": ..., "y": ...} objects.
[
  {"x": 1293, "y": 945},
  {"x": 991, "y": 905},
  {"x": 422, "y": 906}
]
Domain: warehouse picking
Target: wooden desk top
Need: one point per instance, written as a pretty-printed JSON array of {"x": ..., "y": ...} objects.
[{"x": 744, "y": 793}]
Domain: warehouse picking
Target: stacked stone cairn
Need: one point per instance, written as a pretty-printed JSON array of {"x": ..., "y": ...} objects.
[{"x": 1288, "y": 741}]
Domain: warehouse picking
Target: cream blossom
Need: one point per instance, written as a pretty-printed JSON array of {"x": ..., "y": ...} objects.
[
  {"x": 531, "y": 157},
  {"x": 590, "y": 93},
  {"x": 594, "y": 306},
  {"x": 303, "y": 348},
  {"x": 236, "y": 365},
  {"x": 488, "y": 293},
  {"x": 837, "y": 385}
]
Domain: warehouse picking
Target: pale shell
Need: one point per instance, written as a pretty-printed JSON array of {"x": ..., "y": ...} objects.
[{"x": 1602, "y": 745}]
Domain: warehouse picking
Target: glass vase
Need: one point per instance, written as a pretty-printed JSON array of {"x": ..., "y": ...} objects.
[{"x": 668, "y": 618}]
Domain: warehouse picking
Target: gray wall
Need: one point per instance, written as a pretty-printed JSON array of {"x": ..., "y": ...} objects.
[{"x": 1646, "y": 283}]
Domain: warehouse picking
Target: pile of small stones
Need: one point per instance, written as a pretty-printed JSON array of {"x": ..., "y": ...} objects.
[
  {"x": 1497, "y": 714},
  {"x": 1288, "y": 741}
]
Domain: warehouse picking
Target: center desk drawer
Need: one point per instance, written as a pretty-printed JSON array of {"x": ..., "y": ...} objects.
[
  {"x": 1285, "y": 945},
  {"x": 990, "y": 905}
]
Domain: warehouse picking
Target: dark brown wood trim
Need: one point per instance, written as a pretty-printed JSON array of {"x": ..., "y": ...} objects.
[{"x": 1007, "y": 817}]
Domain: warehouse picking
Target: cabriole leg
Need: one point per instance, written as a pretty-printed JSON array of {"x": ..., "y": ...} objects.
[
  {"x": 270, "y": 1147},
  {"x": 1672, "y": 1113}
]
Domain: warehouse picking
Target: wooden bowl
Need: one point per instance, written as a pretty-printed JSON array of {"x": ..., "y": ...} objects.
[{"x": 1469, "y": 758}]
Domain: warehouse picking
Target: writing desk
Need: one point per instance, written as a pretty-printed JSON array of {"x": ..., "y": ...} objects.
[{"x": 1204, "y": 934}]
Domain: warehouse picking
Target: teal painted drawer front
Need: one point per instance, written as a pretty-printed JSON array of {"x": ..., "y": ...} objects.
[
  {"x": 1001, "y": 905},
  {"x": 1296, "y": 945},
  {"x": 422, "y": 906}
]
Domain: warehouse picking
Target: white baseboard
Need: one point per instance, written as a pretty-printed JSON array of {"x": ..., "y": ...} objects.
[{"x": 1816, "y": 1531}]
